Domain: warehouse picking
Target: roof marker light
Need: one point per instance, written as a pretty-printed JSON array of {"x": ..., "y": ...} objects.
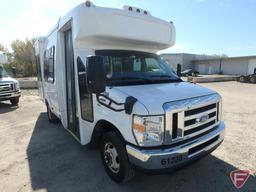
[{"x": 88, "y": 4}]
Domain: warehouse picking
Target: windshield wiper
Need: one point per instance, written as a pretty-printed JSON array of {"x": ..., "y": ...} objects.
[
  {"x": 150, "y": 80},
  {"x": 131, "y": 78},
  {"x": 167, "y": 78}
]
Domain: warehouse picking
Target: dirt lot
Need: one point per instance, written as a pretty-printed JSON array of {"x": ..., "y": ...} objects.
[{"x": 38, "y": 156}]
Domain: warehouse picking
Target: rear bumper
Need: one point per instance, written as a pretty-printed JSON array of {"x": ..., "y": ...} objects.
[
  {"x": 8, "y": 96},
  {"x": 161, "y": 159}
]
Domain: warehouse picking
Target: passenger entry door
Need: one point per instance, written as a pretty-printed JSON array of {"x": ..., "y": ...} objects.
[{"x": 72, "y": 119}]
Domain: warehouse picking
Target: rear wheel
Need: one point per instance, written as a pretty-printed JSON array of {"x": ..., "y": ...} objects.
[
  {"x": 253, "y": 79},
  {"x": 51, "y": 116},
  {"x": 242, "y": 79},
  {"x": 114, "y": 157},
  {"x": 15, "y": 101}
]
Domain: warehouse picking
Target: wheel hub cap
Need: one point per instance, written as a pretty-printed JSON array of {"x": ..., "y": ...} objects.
[{"x": 111, "y": 157}]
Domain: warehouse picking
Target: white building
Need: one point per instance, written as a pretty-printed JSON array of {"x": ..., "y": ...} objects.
[
  {"x": 229, "y": 66},
  {"x": 212, "y": 64}
]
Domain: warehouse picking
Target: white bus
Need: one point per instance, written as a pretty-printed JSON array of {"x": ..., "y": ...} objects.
[{"x": 99, "y": 74}]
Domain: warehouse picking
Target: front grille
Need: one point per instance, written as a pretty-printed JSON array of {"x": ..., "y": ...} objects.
[
  {"x": 6, "y": 88},
  {"x": 194, "y": 121}
]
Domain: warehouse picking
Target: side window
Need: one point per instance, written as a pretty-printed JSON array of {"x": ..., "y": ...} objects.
[
  {"x": 86, "y": 104},
  {"x": 46, "y": 65},
  {"x": 38, "y": 66},
  {"x": 51, "y": 64},
  {"x": 49, "y": 56}
]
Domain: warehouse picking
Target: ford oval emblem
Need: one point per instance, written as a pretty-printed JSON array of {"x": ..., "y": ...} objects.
[{"x": 202, "y": 119}]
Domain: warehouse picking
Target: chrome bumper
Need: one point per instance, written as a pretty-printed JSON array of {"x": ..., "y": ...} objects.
[
  {"x": 7, "y": 96},
  {"x": 159, "y": 159}
]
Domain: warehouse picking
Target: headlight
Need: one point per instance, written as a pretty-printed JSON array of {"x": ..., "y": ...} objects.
[
  {"x": 17, "y": 86},
  {"x": 148, "y": 130}
]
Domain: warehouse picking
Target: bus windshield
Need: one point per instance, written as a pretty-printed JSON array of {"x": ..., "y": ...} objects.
[{"x": 132, "y": 67}]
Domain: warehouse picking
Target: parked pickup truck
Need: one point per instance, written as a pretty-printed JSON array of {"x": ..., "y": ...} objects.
[{"x": 9, "y": 88}]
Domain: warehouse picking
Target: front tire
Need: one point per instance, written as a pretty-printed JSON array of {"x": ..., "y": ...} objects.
[
  {"x": 114, "y": 157},
  {"x": 15, "y": 101}
]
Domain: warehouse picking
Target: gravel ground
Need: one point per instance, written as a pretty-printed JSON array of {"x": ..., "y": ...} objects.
[{"x": 38, "y": 156}]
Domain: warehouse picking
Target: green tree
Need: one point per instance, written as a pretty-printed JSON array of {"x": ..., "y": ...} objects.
[{"x": 24, "y": 56}]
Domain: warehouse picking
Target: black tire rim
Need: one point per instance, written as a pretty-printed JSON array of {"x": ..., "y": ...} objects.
[{"x": 111, "y": 157}]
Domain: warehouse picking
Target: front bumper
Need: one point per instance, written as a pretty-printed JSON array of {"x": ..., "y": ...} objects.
[
  {"x": 9, "y": 95},
  {"x": 168, "y": 158}
]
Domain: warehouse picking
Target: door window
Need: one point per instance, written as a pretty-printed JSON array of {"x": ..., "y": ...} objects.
[{"x": 85, "y": 97}]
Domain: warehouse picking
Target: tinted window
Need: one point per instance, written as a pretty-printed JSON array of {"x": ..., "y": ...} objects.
[
  {"x": 39, "y": 73},
  {"x": 49, "y": 60},
  {"x": 46, "y": 65},
  {"x": 85, "y": 97},
  {"x": 51, "y": 64},
  {"x": 133, "y": 67}
]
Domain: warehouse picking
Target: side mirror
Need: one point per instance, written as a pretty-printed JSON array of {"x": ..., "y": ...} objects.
[
  {"x": 95, "y": 74},
  {"x": 179, "y": 70}
]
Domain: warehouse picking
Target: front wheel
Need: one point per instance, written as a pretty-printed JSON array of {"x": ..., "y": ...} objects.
[
  {"x": 114, "y": 157},
  {"x": 15, "y": 101}
]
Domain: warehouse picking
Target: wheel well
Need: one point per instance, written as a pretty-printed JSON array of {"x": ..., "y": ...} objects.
[{"x": 100, "y": 128}]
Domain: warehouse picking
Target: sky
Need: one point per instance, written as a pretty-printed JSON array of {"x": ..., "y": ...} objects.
[{"x": 202, "y": 26}]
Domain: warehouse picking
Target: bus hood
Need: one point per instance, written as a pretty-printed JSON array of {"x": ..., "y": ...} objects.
[{"x": 153, "y": 96}]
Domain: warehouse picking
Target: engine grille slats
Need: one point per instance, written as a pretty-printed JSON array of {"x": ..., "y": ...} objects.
[
  {"x": 199, "y": 128},
  {"x": 193, "y": 121},
  {"x": 200, "y": 114},
  {"x": 6, "y": 88},
  {"x": 200, "y": 110}
]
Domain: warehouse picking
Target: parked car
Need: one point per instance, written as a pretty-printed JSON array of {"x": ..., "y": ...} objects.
[
  {"x": 9, "y": 88},
  {"x": 189, "y": 72}
]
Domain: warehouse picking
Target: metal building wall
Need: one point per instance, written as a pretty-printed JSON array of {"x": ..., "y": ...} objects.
[
  {"x": 228, "y": 66},
  {"x": 207, "y": 67},
  {"x": 235, "y": 66}
]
